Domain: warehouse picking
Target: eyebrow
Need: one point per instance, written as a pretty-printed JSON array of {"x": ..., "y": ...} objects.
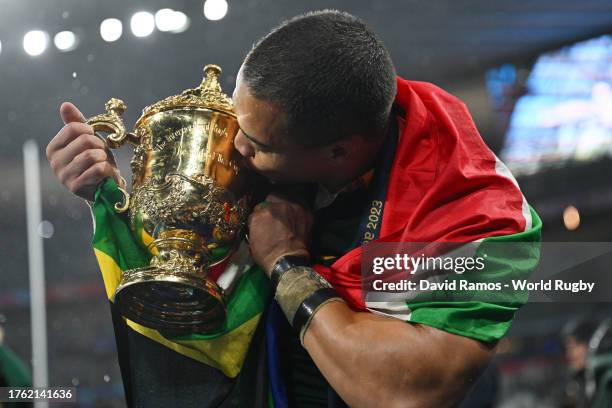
[{"x": 258, "y": 143}]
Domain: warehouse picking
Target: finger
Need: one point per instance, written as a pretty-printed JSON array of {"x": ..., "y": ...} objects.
[
  {"x": 252, "y": 217},
  {"x": 80, "y": 164},
  {"x": 281, "y": 198},
  {"x": 66, "y": 135},
  {"x": 70, "y": 113},
  {"x": 255, "y": 218},
  {"x": 262, "y": 205},
  {"x": 276, "y": 198},
  {"x": 92, "y": 176},
  {"x": 79, "y": 145}
]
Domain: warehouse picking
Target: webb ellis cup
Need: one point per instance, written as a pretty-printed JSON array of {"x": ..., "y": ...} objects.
[{"x": 190, "y": 199}]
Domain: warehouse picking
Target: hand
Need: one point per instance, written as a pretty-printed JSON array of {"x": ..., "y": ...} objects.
[
  {"x": 79, "y": 159},
  {"x": 278, "y": 227}
]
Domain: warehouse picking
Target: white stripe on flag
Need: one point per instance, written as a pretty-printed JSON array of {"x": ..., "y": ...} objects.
[
  {"x": 395, "y": 304},
  {"x": 398, "y": 310},
  {"x": 238, "y": 264},
  {"x": 503, "y": 171}
]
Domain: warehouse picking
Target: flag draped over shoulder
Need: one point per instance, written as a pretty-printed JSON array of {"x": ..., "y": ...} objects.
[
  {"x": 446, "y": 186},
  {"x": 118, "y": 248}
]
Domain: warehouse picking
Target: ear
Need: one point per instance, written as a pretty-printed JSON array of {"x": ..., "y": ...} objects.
[{"x": 339, "y": 150}]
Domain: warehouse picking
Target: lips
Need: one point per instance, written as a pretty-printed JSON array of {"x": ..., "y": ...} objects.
[
  {"x": 271, "y": 175},
  {"x": 245, "y": 162}
]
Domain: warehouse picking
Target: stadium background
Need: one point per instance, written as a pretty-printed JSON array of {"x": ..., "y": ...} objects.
[{"x": 485, "y": 52}]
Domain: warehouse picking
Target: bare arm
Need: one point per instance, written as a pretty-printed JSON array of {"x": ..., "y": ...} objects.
[{"x": 373, "y": 360}]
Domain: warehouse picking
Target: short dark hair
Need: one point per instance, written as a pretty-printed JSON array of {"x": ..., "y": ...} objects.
[
  {"x": 580, "y": 329},
  {"x": 329, "y": 72}
]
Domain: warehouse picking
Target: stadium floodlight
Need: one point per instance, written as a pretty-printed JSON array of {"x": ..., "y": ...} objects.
[
  {"x": 142, "y": 24},
  {"x": 111, "y": 29},
  {"x": 65, "y": 41},
  {"x": 215, "y": 9},
  {"x": 168, "y": 20},
  {"x": 35, "y": 42},
  {"x": 571, "y": 218}
]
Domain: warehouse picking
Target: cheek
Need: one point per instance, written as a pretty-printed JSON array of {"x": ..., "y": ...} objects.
[
  {"x": 270, "y": 161},
  {"x": 302, "y": 168},
  {"x": 281, "y": 168}
]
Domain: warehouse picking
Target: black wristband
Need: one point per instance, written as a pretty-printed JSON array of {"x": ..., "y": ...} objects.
[
  {"x": 310, "y": 305},
  {"x": 285, "y": 263}
]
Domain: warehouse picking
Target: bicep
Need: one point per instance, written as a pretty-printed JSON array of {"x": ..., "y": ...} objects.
[
  {"x": 441, "y": 366},
  {"x": 415, "y": 364}
]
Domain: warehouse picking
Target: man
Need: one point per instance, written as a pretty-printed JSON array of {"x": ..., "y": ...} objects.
[
  {"x": 576, "y": 335},
  {"x": 317, "y": 101}
]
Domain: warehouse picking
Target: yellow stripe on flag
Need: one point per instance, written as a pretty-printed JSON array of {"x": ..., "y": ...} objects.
[
  {"x": 111, "y": 273},
  {"x": 146, "y": 240},
  {"x": 225, "y": 353}
]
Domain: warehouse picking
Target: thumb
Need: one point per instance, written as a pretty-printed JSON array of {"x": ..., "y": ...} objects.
[{"x": 70, "y": 113}]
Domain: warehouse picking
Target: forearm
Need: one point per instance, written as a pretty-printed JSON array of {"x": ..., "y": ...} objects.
[{"x": 372, "y": 360}]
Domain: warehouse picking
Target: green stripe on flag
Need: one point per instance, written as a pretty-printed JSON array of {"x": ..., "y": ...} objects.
[{"x": 465, "y": 312}]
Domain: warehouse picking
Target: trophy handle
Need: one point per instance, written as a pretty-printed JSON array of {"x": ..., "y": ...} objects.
[
  {"x": 111, "y": 122},
  {"x": 123, "y": 206}
]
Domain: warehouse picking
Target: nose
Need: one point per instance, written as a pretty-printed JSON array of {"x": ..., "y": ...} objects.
[{"x": 243, "y": 145}]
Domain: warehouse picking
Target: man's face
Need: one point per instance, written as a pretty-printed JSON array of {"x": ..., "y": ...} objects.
[
  {"x": 576, "y": 353},
  {"x": 266, "y": 147}
]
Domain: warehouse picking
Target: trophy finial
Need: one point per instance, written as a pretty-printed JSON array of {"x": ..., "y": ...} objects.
[
  {"x": 212, "y": 68},
  {"x": 210, "y": 83}
]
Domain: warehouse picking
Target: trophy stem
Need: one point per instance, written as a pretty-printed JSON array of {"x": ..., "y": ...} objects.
[{"x": 173, "y": 294}]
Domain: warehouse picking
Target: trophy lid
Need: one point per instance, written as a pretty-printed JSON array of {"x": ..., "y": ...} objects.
[{"x": 207, "y": 95}]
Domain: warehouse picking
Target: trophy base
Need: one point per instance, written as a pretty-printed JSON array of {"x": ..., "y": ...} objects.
[{"x": 174, "y": 304}]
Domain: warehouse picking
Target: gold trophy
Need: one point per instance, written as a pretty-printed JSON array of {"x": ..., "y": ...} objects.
[{"x": 190, "y": 195}]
